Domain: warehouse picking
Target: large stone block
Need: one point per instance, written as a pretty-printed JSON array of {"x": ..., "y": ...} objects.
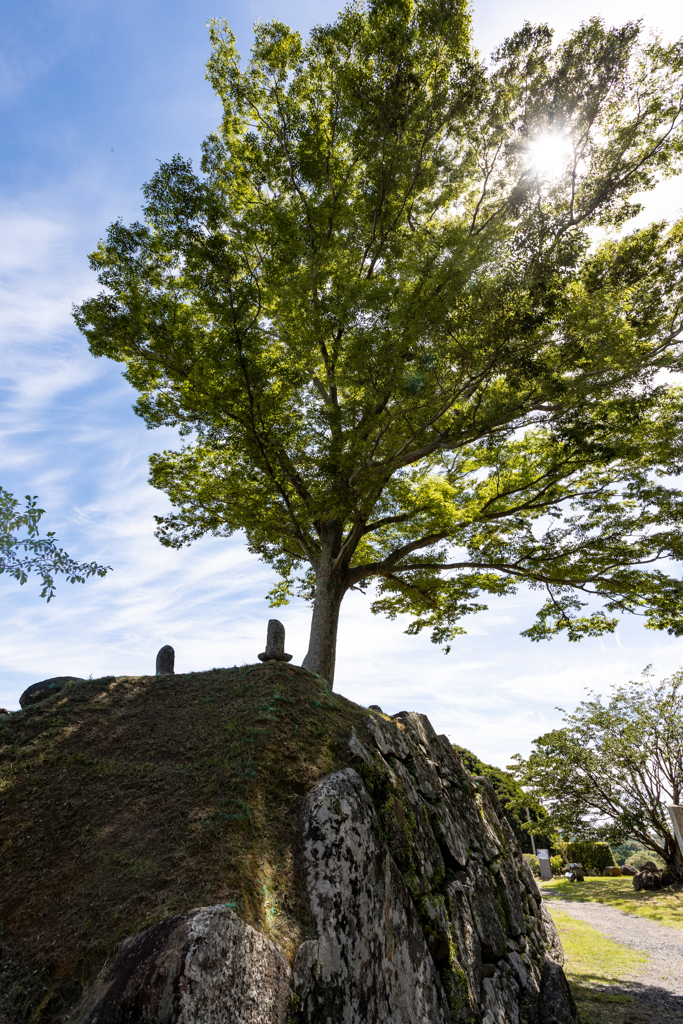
[
  {"x": 423, "y": 905},
  {"x": 370, "y": 962},
  {"x": 45, "y": 688},
  {"x": 205, "y": 966}
]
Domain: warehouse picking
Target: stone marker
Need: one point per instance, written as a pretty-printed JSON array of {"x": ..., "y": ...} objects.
[
  {"x": 544, "y": 864},
  {"x": 676, "y": 815},
  {"x": 275, "y": 643},
  {"x": 45, "y": 688},
  {"x": 166, "y": 661}
]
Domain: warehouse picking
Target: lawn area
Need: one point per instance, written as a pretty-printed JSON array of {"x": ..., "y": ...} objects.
[
  {"x": 593, "y": 963},
  {"x": 664, "y": 906}
]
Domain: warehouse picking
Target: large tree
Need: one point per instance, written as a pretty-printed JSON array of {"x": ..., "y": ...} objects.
[
  {"x": 408, "y": 350},
  {"x": 613, "y": 768}
]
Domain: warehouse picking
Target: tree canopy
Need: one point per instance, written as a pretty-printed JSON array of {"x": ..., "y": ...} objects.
[
  {"x": 514, "y": 801},
  {"x": 403, "y": 350},
  {"x": 615, "y": 766},
  {"x": 21, "y": 555}
]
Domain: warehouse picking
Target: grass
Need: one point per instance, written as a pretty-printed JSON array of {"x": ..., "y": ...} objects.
[
  {"x": 663, "y": 905},
  {"x": 125, "y": 800},
  {"x": 593, "y": 964}
]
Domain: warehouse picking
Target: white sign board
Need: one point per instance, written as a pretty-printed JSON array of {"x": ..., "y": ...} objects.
[
  {"x": 544, "y": 864},
  {"x": 676, "y": 815}
]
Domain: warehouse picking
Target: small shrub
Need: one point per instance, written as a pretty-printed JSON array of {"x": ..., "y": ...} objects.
[
  {"x": 557, "y": 865},
  {"x": 532, "y": 861}
]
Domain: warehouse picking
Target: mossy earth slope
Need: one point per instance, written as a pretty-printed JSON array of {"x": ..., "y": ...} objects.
[{"x": 124, "y": 800}]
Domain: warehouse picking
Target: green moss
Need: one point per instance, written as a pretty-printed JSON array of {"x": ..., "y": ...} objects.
[
  {"x": 398, "y": 828},
  {"x": 457, "y": 990},
  {"x": 503, "y": 904}
]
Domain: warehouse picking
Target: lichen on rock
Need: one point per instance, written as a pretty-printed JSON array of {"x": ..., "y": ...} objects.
[
  {"x": 200, "y": 966},
  {"x": 423, "y": 905}
]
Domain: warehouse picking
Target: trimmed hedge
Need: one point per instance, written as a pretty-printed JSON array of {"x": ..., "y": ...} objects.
[{"x": 595, "y": 857}]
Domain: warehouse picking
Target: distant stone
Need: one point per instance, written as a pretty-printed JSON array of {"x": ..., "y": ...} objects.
[
  {"x": 375, "y": 707},
  {"x": 647, "y": 880},
  {"x": 39, "y": 691},
  {"x": 3, "y": 712},
  {"x": 204, "y": 965},
  {"x": 628, "y": 869},
  {"x": 649, "y": 865},
  {"x": 612, "y": 871},
  {"x": 166, "y": 661},
  {"x": 574, "y": 873},
  {"x": 275, "y": 643}
]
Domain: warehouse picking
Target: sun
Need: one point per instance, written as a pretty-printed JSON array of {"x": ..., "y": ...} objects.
[{"x": 549, "y": 154}]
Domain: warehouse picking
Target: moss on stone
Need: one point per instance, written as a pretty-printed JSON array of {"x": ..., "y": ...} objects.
[{"x": 457, "y": 990}]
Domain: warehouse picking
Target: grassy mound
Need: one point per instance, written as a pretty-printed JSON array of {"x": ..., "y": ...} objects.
[{"x": 125, "y": 800}]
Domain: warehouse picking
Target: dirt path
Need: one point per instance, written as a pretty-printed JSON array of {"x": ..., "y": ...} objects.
[{"x": 660, "y": 986}]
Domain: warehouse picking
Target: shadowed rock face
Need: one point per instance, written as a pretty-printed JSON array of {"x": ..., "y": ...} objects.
[
  {"x": 423, "y": 909},
  {"x": 39, "y": 691},
  {"x": 205, "y": 965}
]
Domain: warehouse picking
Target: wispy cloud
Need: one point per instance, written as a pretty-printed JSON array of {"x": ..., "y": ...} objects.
[{"x": 68, "y": 434}]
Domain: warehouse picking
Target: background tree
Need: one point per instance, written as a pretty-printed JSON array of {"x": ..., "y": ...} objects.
[
  {"x": 398, "y": 349},
  {"x": 614, "y": 767},
  {"x": 21, "y": 555}
]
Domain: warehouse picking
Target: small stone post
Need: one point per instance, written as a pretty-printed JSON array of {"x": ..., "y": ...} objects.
[
  {"x": 166, "y": 661},
  {"x": 275, "y": 643}
]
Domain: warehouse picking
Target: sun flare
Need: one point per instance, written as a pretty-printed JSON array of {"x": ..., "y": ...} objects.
[{"x": 549, "y": 154}]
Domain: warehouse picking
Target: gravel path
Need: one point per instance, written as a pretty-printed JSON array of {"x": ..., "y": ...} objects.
[{"x": 659, "y": 986}]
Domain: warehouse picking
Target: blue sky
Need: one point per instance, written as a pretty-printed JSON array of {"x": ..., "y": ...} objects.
[{"x": 92, "y": 94}]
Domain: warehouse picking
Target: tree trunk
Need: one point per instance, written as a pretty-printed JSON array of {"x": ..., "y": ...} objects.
[{"x": 330, "y": 588}]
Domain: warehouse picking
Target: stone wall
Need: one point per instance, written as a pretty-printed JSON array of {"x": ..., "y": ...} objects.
[
  {"x": 423, "y": 912},
  {"x": 424, "y": 907}
]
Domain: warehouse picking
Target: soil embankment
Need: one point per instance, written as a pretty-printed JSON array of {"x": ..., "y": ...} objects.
[{"x": 125, "y": 800}]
